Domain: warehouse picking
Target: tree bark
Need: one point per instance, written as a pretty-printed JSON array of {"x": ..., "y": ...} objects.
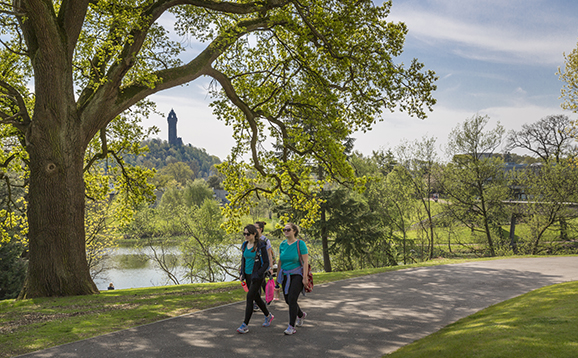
[{"x": 56, "y": 205}]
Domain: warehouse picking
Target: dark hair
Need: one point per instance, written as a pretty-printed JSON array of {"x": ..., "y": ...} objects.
[
  {"x": 252, "y": 229},
  {"x": 294, "y": 227},
  {"x": 261, "y": 224}
]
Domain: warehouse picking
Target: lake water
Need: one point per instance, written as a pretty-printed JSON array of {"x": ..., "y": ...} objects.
[{"x": 131, "y": 268}]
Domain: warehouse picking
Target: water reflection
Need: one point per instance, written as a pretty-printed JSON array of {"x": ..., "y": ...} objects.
[{"x": 132, "y": 268}]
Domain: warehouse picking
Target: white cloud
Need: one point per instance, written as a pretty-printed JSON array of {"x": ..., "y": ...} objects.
[
  {"x": 510, "y": 33},
  {"x": 398, "y": 126}
]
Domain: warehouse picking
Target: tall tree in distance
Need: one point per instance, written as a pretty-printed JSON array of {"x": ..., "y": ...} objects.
[
  {"x": 278, "y": 67},
  {"x": 420, "y": 160},
  {"x": 550, "y": 138},
  {"x": 474, "y": 181}
]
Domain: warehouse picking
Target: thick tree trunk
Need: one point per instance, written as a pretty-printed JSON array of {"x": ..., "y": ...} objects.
[{"x": 58, "y": 265}]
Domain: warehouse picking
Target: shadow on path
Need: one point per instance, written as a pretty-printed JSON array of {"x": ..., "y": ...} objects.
[{"x": 361, "y": 317}]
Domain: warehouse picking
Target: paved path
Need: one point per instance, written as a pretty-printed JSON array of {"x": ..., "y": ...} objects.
[{"x": 362, "y": 317}]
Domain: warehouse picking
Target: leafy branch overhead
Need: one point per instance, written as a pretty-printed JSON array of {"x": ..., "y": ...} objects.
[
  {"x": 301, "y": 76},
  {"x": 293, "y": 78}
]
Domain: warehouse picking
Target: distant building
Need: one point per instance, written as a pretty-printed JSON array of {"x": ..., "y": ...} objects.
[
  {"x": 173, "y": 139},
  {"x": 221, "y": 196}
]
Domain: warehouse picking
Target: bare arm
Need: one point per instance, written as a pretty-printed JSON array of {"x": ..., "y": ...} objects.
[
  {"x": 305, "y": 269},
  {"x": 270, "y": 252}
]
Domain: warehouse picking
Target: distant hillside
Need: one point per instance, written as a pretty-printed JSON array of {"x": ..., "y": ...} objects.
[{"x": 162, "y": 153}]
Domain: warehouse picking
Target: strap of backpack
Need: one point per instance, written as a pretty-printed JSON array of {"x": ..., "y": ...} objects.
[{"x": 299, "y": 252}]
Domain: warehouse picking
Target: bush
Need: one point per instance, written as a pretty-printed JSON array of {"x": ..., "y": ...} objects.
[{"x": 12, "y": 270}]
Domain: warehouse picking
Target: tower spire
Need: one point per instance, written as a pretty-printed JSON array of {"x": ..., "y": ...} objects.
[{"x": 172, "y": 120}]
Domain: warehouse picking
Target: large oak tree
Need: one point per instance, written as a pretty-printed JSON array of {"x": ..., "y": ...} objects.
[{"x": 302, "y": 75}]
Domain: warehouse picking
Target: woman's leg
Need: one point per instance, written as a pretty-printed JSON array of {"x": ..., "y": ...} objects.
[
  {"x": 295, "y": 288},
  {"x": 258, "y": 300},
  {"x": 254, "y": 296}
]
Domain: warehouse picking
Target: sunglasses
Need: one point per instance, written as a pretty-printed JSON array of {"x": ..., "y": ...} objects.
[
  {"x": 287, "y": 230},
  {"x": 247, "y": 233}
]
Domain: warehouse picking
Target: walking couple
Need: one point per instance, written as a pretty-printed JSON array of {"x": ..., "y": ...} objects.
[{"x": 291, "y": 275}]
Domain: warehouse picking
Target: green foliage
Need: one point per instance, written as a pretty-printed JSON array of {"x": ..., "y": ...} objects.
[
  {"x": 193, "y": 194},
  {"x": 551, "y": 189},
  {"x": 421, "y": 161},
  {"x": 210, "y": 254},
  {"x": 174, "y": 174},
  {"x": 474, "y": 181},
  {"x": 12, "y": 270},
  {"x": 302, "y": 76},
  {"x": 309, "y": 96},
  {"x": 569, "y": 76},
  {"x": 161, "y": 154},
  {"x": 101, "y": 230}
]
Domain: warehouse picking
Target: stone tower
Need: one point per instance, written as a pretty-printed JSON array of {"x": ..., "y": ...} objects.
[{"x": 172, "y": 119}]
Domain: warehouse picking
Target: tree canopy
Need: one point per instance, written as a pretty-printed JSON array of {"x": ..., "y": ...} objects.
[
  {"x": 569, "y": 75},
  {"x": 300, "y": 76}
]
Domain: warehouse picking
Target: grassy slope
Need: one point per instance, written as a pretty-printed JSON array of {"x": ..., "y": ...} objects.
[
  {"x": 30, "y": 325},
  {"x": 541, "y": 323}
]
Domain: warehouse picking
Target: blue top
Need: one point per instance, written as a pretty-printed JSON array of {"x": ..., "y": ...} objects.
[
  {"x": 264, "y": 238},
  {"x": 249, "y": 260},
  {"x": 289, "y": 255}
]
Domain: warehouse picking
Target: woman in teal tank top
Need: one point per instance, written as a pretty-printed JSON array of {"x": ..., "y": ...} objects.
[{"x": 292, "y": 275}]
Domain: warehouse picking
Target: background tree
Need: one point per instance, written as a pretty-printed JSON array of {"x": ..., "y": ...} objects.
[
  {"x": 552, "y": 189},
  {"x": 400, "y": 202},
  {"x": 101, "y": 233},
  {"x": 210, "y": 253},
  {"x": 420, "y": 159},
  {"x": 553, "y": 140},
  {"x": 474, "y": 181},
  {"x": 569, "y": 76},
  {"x": 214, "y": 181},
  {"x": 550, "y": 138},
  {"x": 356, "y": 236},
  {"x": 174, "y": 174},
  {"x": 279, "y": 66}
]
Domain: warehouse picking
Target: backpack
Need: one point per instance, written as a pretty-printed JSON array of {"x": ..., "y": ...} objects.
[{"x": 258, "y": 257}]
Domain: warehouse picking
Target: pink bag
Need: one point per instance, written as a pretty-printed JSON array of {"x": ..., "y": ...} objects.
[{"x": 269, "y": 290}]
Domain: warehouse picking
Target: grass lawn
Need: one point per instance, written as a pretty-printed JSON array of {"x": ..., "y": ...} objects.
[
  {"x": 34, "y": 324},
  {"x": 542, "y": 323}
]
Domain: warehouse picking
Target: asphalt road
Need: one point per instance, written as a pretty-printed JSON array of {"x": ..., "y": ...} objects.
[{"x": 361, "y": 317}]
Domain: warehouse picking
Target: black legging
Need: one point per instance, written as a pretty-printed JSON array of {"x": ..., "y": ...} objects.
[
  {"x": 254, "y": 295},
  {"x": 295, "y": 289}
]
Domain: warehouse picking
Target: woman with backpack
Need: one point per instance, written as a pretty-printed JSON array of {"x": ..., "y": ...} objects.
[
  {"x": 292, "y": 274},
  {"x": 254, "y": 265},
  {"x": 260, "y": 225}
]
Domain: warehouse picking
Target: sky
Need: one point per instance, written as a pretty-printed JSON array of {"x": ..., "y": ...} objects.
[{"x": 493, "y": 57}]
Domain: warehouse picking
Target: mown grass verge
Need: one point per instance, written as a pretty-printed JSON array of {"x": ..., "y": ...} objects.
[
  {"x": 542, "y": 323},
  {"x": 34, "y": 324}
]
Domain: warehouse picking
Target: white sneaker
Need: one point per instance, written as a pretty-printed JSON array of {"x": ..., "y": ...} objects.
[
  {"x": 299, "y": 321},
  {"x": 290, "y": 330}
]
